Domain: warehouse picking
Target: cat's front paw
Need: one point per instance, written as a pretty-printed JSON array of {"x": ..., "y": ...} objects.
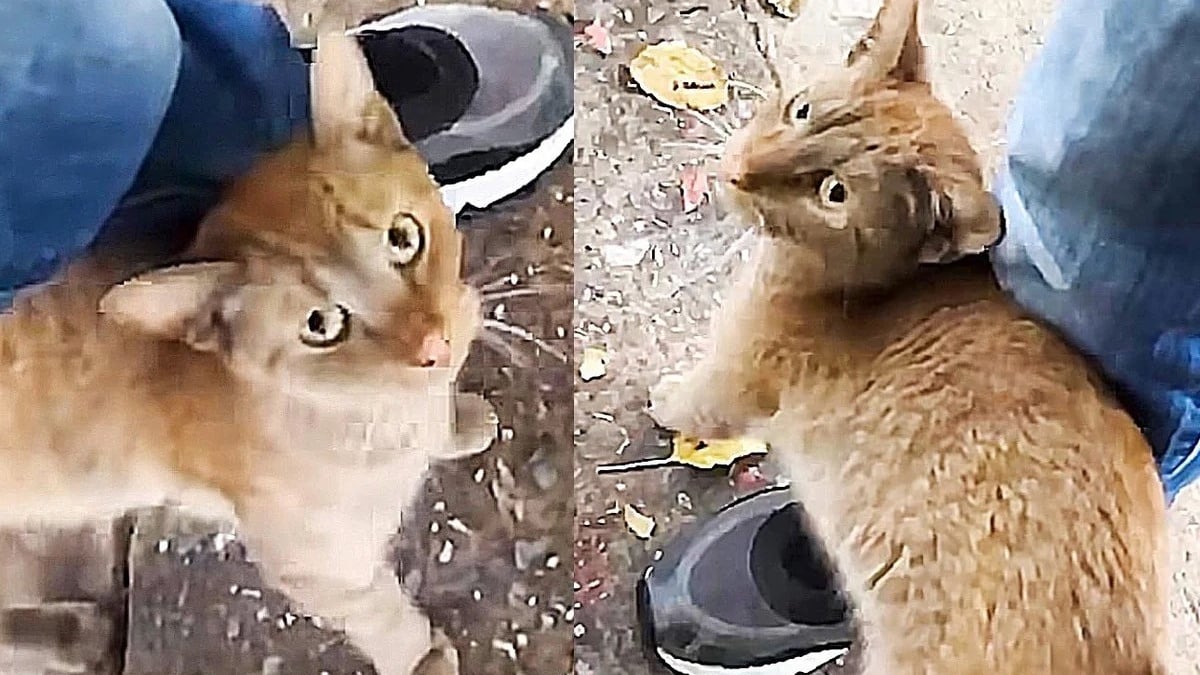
[
  {"x": 665, "y": 404},
  {"x": 475, "y": 426},
  {"x": 679, "y": 406}
]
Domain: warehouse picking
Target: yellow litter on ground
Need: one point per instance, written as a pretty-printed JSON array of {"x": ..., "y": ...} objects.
[
  {"x": 594, "y": 364},
  {"x": 641, "y": 525},
  {"x": 680, "y": 76},
  {"x": 702, "y": 454}
]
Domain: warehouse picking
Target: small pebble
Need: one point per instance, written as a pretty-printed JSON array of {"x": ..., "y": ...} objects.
[
  {"x": 506, "y": 647},
  {"x": 272, "y": 665},
  {"x": 446, "y": 553},
  {"x": 544, "y": 474}
]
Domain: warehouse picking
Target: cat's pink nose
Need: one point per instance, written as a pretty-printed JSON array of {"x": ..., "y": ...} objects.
[{"x": 435, "y": 351}]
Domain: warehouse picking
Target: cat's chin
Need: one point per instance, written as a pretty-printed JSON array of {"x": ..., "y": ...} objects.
[{"x": 739, "y": 202}]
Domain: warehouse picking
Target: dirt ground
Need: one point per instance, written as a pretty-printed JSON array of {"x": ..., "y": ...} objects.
[{"x": 649, "y": 268}]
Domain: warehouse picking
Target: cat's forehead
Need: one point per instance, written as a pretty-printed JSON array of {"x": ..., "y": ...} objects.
[
  {"x": 380, "y": 182},
  {"x": 403, "y": 168},
  {"x": 269, "y": 271},
  {"x": 827, "y": 104}
]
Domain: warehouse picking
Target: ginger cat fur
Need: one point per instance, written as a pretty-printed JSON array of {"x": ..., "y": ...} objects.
[
  {"x": 293, "y": 371},
  {"x": 991, "y": 507}
]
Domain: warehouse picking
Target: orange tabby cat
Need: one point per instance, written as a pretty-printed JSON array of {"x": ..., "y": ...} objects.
[
  {"x": 296, "y": 375},
  {"x": 993, "y": 510}
]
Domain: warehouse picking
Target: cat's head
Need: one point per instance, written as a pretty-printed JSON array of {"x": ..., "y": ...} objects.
[
  {"x": 865, "y": 167},
  {"x": 355, "y": 202},
  {"x": 271, "y": 321}
]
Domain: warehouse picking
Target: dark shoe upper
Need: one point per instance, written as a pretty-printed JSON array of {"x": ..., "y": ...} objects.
[
  {"x": 747, "y": 588},
  {"x": 485, "y": 94}
]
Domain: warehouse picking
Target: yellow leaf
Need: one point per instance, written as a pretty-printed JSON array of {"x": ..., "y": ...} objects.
[
  {"x": 594, "y": 364},
  {"x": 680, "y": 76},
  {"x": 641, "y": 525},
  {"x": 708, "y": 454}
]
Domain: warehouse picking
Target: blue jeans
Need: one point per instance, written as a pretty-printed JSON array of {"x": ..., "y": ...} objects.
[
  {"x": 124, "y": 114},
  {"x": 1101, "y": 193}
]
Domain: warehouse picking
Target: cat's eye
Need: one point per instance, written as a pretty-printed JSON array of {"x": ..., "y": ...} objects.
[
  {"x": 325, "y": 327},
  {"x": 404, "y": 240},
  {"x": 801, "y": 110},
  {"x": 832, "y": 191}
]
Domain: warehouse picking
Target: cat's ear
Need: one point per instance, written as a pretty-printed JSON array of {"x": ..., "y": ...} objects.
[
  {"x": 965, "y": 220},
  {"x": 891, "y": 48},
  {"x": 345, "y": 102},
  {"x": 171, "y": 302}
]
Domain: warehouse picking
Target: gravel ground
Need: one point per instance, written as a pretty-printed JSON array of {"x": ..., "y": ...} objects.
[{"x": 649, "y": 268}]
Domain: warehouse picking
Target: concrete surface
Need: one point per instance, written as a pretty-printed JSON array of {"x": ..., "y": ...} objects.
[{"x": 650, "y": 315}]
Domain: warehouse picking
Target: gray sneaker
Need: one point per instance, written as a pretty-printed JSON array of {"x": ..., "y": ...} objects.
[
  {"x": 748, "y": 592},
  {"x": 485, "y": 94}
]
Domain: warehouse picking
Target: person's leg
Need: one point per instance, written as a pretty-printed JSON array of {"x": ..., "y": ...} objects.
[
  {"x": 124, "y": 120},
  {"x": 83, "y": 87},
  {"x": 242, "y": 91},
  {"x": 1101, "y": 196}
]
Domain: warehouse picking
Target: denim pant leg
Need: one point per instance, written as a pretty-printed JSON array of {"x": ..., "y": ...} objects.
[
  {"x": 1101, "y": 194},
  {"x": 242, "y": 92},
  {"x": 125, "y": 119},
  {"x": 83, "y": 87}
]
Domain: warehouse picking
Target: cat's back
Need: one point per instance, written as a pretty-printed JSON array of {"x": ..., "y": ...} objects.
[
  {"x": 51, "y": 337},
  {"x": 1022, "y": 499},
  {"x": 68, "y": 380}
]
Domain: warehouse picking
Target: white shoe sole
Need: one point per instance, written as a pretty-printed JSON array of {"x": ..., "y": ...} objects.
[
  {"x": 800, "y": 665},
  {"x": 488, "y": 188}
]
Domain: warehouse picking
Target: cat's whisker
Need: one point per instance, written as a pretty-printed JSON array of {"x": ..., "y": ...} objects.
[
  {"x": 721, "y": 128},
  {"x": 512, "y": 293},
  {"x": 507, "y": 281},
  {"x": 713, "y": 149},
  {"x": 513, "y": 279},
  {"x": 740, "y": 244},
  {"x": 516, "y": 331},
  {"x": 499, "y": 345},
  {"x": 746, "y": 86}
]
